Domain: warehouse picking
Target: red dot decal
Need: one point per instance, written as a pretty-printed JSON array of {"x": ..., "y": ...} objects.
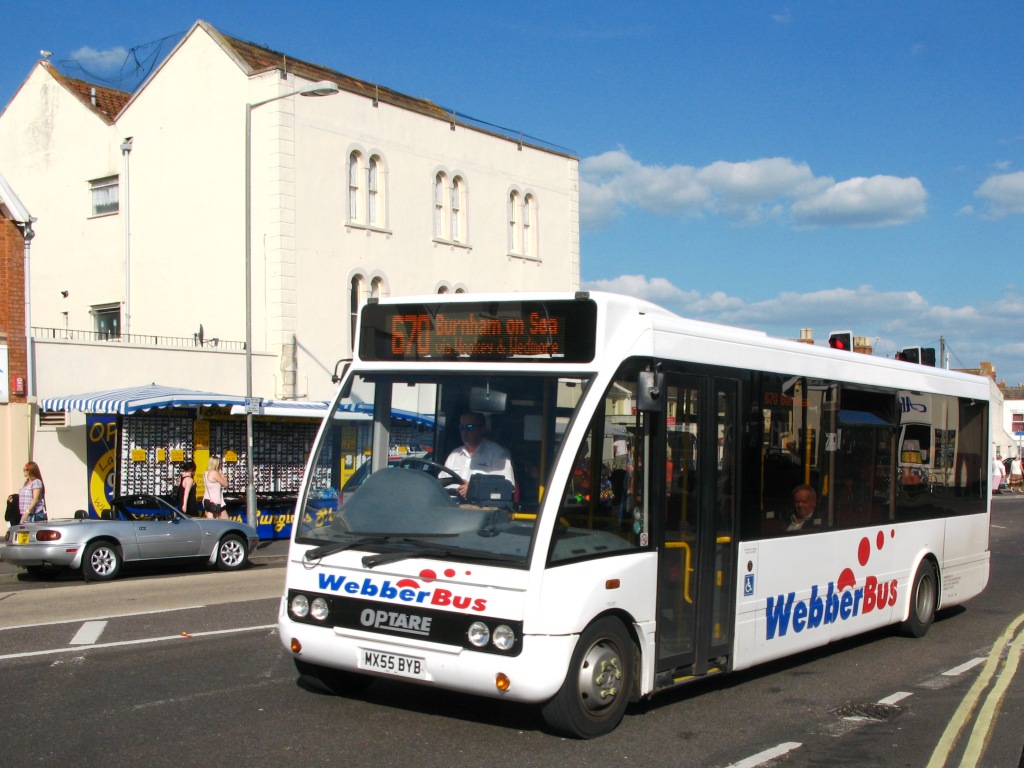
[
  {"x": 892, "y": 534},
  {"x": 846, "y": 579},
  {"x": 427, "y": 574},
  {"x": 864, "y": 551},
  {"x": 449, "y": 572},
  {"x": 404, "y": 583},
  {"x": 880, "y": 539}
]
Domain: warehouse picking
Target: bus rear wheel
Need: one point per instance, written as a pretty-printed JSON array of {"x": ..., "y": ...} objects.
[
  {"x": 597, "y": 687},
  {"x": 923, "y": 598}
]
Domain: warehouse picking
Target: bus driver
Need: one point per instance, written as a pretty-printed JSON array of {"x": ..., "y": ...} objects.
[{"x": 477, "y": 454}]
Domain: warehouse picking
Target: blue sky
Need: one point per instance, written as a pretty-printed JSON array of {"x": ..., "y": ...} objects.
[{"x": 776, "y": 165}]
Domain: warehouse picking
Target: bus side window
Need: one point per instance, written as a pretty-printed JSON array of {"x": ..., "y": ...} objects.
[{"x": 605, "y": 489}]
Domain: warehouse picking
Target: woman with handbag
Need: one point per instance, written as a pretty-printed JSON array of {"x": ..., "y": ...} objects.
[
  {"x": 32, "y": 495},
  {"x": 214, "y": 484}
]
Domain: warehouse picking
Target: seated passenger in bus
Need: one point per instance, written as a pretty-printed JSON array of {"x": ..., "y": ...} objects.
[
  {"x": 477, "y": 454},
  {"x": 805, "y": 504}
]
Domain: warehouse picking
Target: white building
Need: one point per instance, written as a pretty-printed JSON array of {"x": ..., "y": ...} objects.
[{"x": 141, "y": 206}]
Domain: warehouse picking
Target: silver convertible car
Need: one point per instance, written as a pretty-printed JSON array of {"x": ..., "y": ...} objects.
[{"x": 135, "y": 529}]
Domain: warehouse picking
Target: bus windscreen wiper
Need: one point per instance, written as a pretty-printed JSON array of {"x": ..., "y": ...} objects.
[
  {"x": 433, "y": 550},
  {"x": 339, "y": 546}
]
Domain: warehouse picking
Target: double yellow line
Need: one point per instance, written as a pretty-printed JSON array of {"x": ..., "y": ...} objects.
[{"x": 987, "y": 715}]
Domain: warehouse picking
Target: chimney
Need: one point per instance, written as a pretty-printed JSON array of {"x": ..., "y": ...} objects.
[
  {"x": 806, "y": 336},
  {"x": 862, "y": 344}
]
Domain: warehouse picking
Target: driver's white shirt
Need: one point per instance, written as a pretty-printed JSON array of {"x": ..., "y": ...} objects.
[{"x": 488, "y": 459}]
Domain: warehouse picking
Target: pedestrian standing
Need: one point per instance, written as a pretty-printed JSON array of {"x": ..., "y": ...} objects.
[
  {"x": 998, "y": 473},
  {"x": 32, "y": 496},
  {"x": 214, "y": 485},
  {"x": 187, "y": 500},
  {"x": 1016, "y": 475}
]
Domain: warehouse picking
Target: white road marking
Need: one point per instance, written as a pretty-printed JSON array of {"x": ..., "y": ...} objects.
[
  {"x": 99, "y": 618},
  {"x": 963, "y": 667},
  {"x": 89, "y": 633},
  {"x": 144, "y": 641},
  {"x": 769, "y": 754},
  {"x": 895, "y": 698}
]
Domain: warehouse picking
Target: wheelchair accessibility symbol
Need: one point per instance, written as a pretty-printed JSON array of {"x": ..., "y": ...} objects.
[{"x": 748, "y": 585}]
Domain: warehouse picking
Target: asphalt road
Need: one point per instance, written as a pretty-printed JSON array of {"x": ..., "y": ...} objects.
[{"x": 185, "y": 668}]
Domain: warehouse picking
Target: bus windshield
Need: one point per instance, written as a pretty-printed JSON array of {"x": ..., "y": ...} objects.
[{"x": 444, "y": 464}]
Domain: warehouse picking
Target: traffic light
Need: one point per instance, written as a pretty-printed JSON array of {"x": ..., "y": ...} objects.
[
  {"x": 910, "y": 355},
  {"x": 841, "y": 340},
  {"x": 919, "y": 355}
]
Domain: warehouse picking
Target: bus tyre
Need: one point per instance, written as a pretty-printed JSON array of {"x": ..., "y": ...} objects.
[
  {"x": 923, "y": 599},
  {"x": 334, "y": 681},
  {"x": 597, "y": 687}
]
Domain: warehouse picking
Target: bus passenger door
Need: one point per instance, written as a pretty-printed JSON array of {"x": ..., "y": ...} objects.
[{"x": 695, "y": 591}]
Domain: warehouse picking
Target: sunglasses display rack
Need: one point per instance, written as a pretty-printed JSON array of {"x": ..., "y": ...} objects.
[
  {"x": 149, "y": 447},
  {"x": 280, "y": 451}
]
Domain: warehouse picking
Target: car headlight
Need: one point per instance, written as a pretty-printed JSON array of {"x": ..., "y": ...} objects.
[
  {"x": 300, "y": 606},
  {"x": 318, "y": 609},
  {"x": 504, "y": 637},
  {"x": 478, "y": 634}
]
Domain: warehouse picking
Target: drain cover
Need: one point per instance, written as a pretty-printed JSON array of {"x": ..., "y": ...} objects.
[{"x": 877, "y": 712}]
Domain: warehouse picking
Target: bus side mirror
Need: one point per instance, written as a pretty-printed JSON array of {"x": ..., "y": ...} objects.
[{"x": 649, "y": 388}]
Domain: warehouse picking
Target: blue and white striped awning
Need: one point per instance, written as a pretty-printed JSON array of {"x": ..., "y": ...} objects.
[
  {"x": 318, "y": 409},
  {"x": 132, "y": 399},
  {"x": 396, "y": 413},
  {"x": 314, "y": 409}
]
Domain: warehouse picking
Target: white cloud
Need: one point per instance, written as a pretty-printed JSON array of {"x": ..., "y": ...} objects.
[
  {"x": 109, "y": 60},
  {"x": 881, "y": 201},
  {"x": 892, "y": 320},
  {"x": 1004, "y": 194},
  {"x": 745, "y": 192}
]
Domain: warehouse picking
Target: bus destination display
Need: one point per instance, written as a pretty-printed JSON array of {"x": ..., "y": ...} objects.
[{"x": 560, "y": 331}]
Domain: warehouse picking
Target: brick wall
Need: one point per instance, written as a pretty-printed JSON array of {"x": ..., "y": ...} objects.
[{"x": 12, "y": 300}]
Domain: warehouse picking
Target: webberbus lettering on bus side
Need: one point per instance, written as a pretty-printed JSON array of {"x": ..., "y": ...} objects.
[{"x": 783, "y": 611}]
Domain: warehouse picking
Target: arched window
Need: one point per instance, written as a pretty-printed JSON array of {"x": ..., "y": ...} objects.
[
  {"x": 450, "y": 208},
  {"x": 353, "y": 187},
  {"x": 529, "y": 246},
  {"x": 355, "y": 299},
  {"x": 374, "y": 198},
  {"x": 376, "y": 287},
  {"x": 439, "y": 185},
  {"x": 513, "y": 223},
  {"x": 522, "y": 224},
  {"x": 456, "y": 210}
]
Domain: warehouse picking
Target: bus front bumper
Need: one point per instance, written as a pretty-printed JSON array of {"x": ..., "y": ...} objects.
[{"x": 534, "y": 675}]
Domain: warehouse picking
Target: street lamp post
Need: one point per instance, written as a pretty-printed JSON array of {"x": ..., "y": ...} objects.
[{"x": 321, "y": 88}]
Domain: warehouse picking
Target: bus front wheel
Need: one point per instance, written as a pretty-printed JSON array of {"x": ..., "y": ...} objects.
[
  {"x": 596, "y": 691},
  {"x": 923, "y": 599}
]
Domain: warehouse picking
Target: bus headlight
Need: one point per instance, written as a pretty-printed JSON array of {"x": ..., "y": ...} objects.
[
  {"x": 478, "y": 634},
  {"x": 318, "y": 610},
  {"x": 300, "y": 606},
  {"x": 504, "y": 637}
]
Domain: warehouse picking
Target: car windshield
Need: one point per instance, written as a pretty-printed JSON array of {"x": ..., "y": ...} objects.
[
  {"x": 447, "y": 466},
  {"x": 142, "y": 508}
]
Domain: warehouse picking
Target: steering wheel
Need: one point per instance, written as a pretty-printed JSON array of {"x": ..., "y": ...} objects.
[{"x": 435, "y": 469}]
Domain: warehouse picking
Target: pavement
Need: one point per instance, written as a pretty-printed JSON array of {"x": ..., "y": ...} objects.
[{"x": 267, "y": 551}]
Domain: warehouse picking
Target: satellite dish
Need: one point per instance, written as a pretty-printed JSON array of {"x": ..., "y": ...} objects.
[{"x": 200, "y": 334}]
